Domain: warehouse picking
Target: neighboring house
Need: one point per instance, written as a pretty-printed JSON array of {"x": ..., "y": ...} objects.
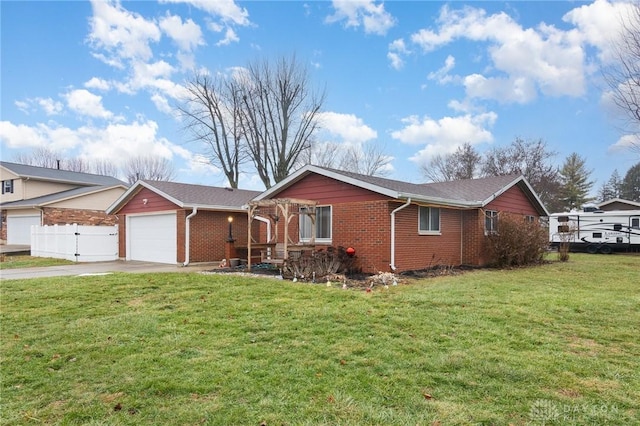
[
  {"x": 170, "y": 222},
  {"x": 42, "y": 196},
  {"x": 404, "y": 226},
  {"x": 618, "y": 204}
]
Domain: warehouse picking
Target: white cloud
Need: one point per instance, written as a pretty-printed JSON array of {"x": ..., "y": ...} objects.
[
  {"x": 442, "y": 75},
  {"x": 446, "y": 134},
  {"x": 50, "y": 106},
  {"x": 187, "y": 34},
  {"x": 505, "y": 90},
  {"x": 397, "y": 49},
  {"x": 599, "y": 23},
  {"x": 227, "y": 10},
  {"x": 346, "y": 126},
  {"x": 365, "y": 13},
  {"x": 230, "y": 36},
  {"x": 121, "y": 33},
  {"x": 625, "y": 143},
  {"x": 86, "y": 103},
  {"x": 526, "y": 60},
  {"x": 98, "y": 84},
  {"x": 20, "y": 136}
]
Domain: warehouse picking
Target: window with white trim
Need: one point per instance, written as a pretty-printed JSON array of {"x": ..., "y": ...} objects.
[
  {"x": 428, "y": 220},
  {"x": 7, "y": 186},
  {"x": 490, "y": 221},
  {"x": 323, "y": 225}
]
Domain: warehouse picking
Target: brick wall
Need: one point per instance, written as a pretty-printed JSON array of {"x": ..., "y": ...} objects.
[
  {"x": 209, "y": 232},
  {"x": 58, "y": 216}
]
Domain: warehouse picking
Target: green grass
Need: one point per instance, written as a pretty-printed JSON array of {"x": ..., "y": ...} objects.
[
  {"x": 25, "y": 261},
  {"x": 556, "y": 344}
]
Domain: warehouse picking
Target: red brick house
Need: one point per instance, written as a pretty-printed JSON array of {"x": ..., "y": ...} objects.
[
  {"x": 404, "y": 226},
  {"x": 170, "y": 222},
  {"x": 43, "y": 196}
]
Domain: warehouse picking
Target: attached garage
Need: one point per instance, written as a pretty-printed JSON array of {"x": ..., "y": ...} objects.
[
  {"x": 152, "y": 237},
  {"x": 19, "y": 228}
]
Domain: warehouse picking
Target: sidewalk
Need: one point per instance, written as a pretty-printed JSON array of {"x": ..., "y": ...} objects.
[{"x": 100, "y": 268}]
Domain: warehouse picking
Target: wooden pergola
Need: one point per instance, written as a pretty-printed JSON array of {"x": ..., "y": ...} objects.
[{"x": 272, "y": 212}]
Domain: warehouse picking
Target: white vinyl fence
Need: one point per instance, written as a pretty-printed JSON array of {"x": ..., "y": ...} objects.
[{"x": 78, "y": 243}]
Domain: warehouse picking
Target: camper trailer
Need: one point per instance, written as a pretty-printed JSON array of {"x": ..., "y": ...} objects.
[{"x": 596, "y": 231}]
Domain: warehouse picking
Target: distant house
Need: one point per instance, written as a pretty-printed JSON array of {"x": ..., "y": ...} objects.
[
  {"x": 42, "y": 196},
  {"x": 618, "y": 204},
  {"x": 170, "y": 222},
  {"x": 399, "y": 225}
]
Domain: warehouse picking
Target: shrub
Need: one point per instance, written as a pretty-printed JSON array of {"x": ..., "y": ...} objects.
[
  {"x": 321, "y": 263},
  {"x": 517, "y": 242}
]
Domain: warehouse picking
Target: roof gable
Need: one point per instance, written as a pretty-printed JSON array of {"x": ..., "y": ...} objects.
[{"x": 188, "y": 195}]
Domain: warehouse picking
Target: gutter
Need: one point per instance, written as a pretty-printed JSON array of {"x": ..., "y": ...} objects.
[
  {"x": 187, "y": 236},
  {"x": 393, "y": 233}
]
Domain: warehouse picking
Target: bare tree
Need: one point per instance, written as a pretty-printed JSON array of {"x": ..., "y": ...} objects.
[
  {"x": 148, "y": 168},
  {"x": 368, "y": 160},
  {"x": 105, "y": 168},
  {"x": 623, "y": 76},
  {"x": 212, "y": 114},
  {"x": 41, "y": 157},
  {"x": 325, "y": 154},
  {"x": 529, "y": 158},
  {"x": 279, "y": 116},
  {"x": 464, "y": 163}
]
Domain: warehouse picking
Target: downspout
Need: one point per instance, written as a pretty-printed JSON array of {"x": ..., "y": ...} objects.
[
  {"x": 268, "y": 222},
  {"x": 393, "y": 233},
  {"x": 187, "y": 236}
]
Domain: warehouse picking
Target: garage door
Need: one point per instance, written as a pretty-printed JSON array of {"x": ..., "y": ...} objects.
[
  {"x": 19, "y": 229},
  {"x": 152, "y": 238}
]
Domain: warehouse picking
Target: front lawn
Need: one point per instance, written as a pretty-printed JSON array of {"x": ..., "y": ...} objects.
[
  {"x": 26, "y": 261},
  {"x": 555, "y": 344}
]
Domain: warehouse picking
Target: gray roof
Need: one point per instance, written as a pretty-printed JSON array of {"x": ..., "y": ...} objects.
[
  {"x": 64, "y": 176},
  {"x": 58, "y": 196},
  {"x": 461, "y": 193},
  {"x": 189, "y": 195},
  {"x": 469, "y": 190}
]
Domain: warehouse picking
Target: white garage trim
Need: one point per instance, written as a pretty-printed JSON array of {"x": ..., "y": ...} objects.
[
  {"x": 19, "y": 228},
  {"x": 152, "y": 237}
]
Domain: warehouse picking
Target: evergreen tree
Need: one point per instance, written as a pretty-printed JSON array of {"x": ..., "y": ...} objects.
[
  {"x": 631, "y": 184},
  {"x": 612, "y": 188},
  {"x": 575, "y": 183}
]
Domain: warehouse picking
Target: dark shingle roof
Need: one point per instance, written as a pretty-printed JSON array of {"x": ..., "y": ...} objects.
[
  {"x": 186, "y": 195},
  {"x": 468, "y": 190},
  {"x": 65, "y": 176},
  {"x": 202, "y": 195}
]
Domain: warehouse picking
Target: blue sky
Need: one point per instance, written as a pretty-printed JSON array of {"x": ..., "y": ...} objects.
[{"x": 414, "y": 78}]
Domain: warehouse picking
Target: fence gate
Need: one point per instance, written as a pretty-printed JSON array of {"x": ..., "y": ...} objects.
[{"x": 78, "y": 243}]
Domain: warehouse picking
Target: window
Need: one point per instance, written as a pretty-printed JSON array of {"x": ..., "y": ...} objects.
[
  {"x": 563, "y": 218},
  {"x": 7, "y": 186},
  {"x": 617, "y": 227},
  {"x": 490, "y": 222},
  {"x": 530, "y": 219},
  {"x": 323, "y": 225},
  {"x": 563, "y": 228},
  {"x": 635, "y": 223},
  {"x": 428, "y": 220}
]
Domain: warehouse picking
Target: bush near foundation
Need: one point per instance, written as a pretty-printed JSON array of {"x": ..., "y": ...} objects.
[{"x": 517, "y": 242}]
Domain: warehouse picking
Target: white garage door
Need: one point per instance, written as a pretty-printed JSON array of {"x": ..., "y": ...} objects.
[
  {"x": 19, "y": 229},
  {"x": 152, "y": 238}
]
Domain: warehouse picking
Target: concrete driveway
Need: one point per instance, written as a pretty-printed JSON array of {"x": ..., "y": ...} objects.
[{"x": 100, "y": 268}]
